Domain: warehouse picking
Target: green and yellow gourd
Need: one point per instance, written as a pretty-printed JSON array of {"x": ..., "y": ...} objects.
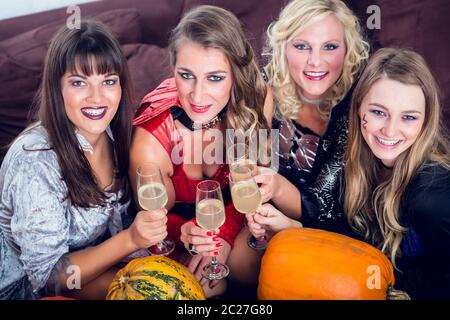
[{"x": 155, "y": 278}]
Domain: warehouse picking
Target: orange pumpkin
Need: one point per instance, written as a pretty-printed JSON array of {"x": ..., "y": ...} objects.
[{"x": 315, "y": 264}]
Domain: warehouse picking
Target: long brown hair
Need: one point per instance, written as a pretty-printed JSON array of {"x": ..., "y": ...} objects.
[
  {"x": 372, "y": 200},
  {"x": 92, "y": 48},
  {"x": 214, "y": 27}
]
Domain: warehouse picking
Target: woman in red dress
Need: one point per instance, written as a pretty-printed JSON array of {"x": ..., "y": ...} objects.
[{"x": 216, "y": 86}]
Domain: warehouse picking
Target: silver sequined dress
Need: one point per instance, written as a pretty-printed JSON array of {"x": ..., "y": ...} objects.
[{"x": 38, "y": 224}]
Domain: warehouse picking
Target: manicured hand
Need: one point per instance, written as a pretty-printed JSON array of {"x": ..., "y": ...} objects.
[
  {"x": 196, "y": 263},
  {"x": 148, "y": 228},
  {"x": 203, "y": 241},
  {"x": 273, "y": 219},
  {"x": 268, "y": 181}
]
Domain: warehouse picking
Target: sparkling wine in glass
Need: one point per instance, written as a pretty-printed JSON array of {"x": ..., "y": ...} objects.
[
  {"x": 152, "y": 195},
  {"x": 244, "y": 190},
  {"x": 245, "y": 193},
  {"x": 210, "y": 215},
  {"x": 239, "y": 156}
]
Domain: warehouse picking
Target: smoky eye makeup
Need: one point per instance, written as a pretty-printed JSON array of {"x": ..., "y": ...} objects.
[
  {"x": 301, "y": 45},
  {"x": 409, "y": 117},
  {"x": 377, "y": 112},
  {"x": 331, "y": 46},
  {"x": 185, "y": 75},
  {"x": 110, "y": 82},
  {"x": 216, "y": 78},
  {"x": 76, "y": 82}
]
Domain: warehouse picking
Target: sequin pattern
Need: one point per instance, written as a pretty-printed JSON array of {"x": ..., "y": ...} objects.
[{"x": 38, "y": 224}]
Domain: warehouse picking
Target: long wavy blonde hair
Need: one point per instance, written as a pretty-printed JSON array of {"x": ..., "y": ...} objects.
[
  {"x": 294, "y": 18},
  {"x": 372, "y": 199},
  {"x": 214, "y": 27}
]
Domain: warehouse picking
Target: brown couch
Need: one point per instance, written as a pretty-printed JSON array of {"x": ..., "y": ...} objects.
[{"x": 143, "y": 27}]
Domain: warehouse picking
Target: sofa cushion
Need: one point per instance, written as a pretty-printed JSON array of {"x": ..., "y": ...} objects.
[
  {"x": 21, "y": 61},
  {"x": 149, "y": 65},
  {"x": 30, "y": 47}
]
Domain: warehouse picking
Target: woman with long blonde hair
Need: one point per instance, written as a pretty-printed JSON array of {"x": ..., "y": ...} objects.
[
  {"x": 397, "y": 178},
  {"x": 316, "y": 53},
  {"x": 216, "y": 86}
]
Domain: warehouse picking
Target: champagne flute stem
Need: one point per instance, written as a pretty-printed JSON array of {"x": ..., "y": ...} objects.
[{"x": 160, "y": 245}]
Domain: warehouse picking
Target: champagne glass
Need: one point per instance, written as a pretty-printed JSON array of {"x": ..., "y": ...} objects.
[
  {"x": 246, "y": 199},
  {"x": 240, "y": 157},
  {"x": 152, "y": 195},
  {"x": 210, "y": 215}
]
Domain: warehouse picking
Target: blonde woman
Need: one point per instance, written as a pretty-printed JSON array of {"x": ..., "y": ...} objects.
[
  {"x": 397, "y": 174},
  {"x": 316, "y": 54}
]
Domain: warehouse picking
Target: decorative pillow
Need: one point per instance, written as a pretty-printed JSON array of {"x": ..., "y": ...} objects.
[
  {"x": 149, "y": 65},
  {"x": 29, "y": 48}
]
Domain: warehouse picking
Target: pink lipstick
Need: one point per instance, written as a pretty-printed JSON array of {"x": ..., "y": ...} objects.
[
  {"x": 200, "y": 109},
  {"x": 315, "y": 76}
]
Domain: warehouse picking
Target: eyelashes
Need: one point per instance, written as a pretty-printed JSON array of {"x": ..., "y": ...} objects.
[
  {"x": 81, "y": 83},
  {"x": 77, "y": 83},
  {"x": 331, "y": 47},
  {"x": 216, "y": 78},
  {"x": 326, "y": 47},
  {"x": 212, "y": 78},
  {"x": 410, "y": 118},
  {"x": 380, "y": 114},
  {"x": 186, "y": 75}
]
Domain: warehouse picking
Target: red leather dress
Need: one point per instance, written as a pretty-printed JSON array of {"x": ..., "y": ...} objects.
[{"x": 162, "y": 127}]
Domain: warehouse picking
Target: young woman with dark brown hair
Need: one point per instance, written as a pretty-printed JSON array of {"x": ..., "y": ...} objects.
[{"x": 63, "y": 183}]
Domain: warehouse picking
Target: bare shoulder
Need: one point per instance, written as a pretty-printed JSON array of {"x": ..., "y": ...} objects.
[{"x": 145, "y": 147}]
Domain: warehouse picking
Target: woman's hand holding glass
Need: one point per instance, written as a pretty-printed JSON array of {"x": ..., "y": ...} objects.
[
  {"x": 205, "y": 245},
  {"x": 148, "y": 229},
  {"x": 210, "y": 215},
  {"x": 272, "y": 219},
  {"x": 198, "y": 240},
  {"x": 246, "y": 199},
  {"x": 152, "y": 196},
  {"x": 244, "y": 189},
  {"x": 267, "y": 179}
]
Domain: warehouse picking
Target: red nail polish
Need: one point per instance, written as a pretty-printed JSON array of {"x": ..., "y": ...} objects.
[
  {"x": 209, "y": 233},
  {"x": 216, "y": 253},
  {"x": 218, "y": 244},
  {"x": 215, "y": 238}
]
